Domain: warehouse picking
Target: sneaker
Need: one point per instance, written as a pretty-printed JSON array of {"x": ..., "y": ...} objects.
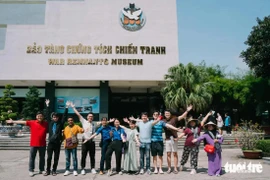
[
  {"x": 93, "y": 171},
  {"x": 149, "y": 172},
  {"x": 54, "y": 173},
  {"x": 160, "y": 171},
  {"x": 217, "y": 175},
  {"x": 42, "y": 172},
  {"x": 66, "y": 173},
  {"x": 75, "y": 173},
  {"x": 83, "y": 172},
  {"x": 182, "y": 168},
  {"x": 141, "y": 171},
  {"x": 101, "y": 173},
  {"x": 156, "y": 171},
  {"x": 120, "y": 173},
  {"x": 193, "y": 171},
  {"x": 31, "y": 174},
  {"x": 109, "y": 172},
  {"x": 46, "y": 173}
]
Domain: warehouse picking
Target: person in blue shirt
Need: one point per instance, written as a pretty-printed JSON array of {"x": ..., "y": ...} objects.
[
  {"x": 118, "y": 138},
  {"x": 104, "y": 130},
  {"x": 157, "y": 144},
  {"x": 228, "y": 124}
]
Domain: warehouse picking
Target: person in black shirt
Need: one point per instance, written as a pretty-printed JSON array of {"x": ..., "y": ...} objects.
[{"x": 55, "y": 137}]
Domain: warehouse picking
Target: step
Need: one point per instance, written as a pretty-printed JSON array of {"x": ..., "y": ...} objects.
[{"x": 266, "y": 160}]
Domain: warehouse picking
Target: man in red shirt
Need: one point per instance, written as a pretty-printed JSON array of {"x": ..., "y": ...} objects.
[{"x": 38, "y": 129}]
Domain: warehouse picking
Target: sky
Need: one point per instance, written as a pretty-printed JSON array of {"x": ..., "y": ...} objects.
[{"x": 215, "y": 30}]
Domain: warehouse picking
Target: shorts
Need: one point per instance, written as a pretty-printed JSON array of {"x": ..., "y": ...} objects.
[
  {"x": 157, "y": 148},
  {"x": 171, "y": 147}
]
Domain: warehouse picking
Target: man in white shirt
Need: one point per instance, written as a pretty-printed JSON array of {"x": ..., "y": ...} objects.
[{"x": 89, "y": 129}]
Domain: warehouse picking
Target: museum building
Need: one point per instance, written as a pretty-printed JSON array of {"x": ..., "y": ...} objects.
[{"x": 108, "y": 57}]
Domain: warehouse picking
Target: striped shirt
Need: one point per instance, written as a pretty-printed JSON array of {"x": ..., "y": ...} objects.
[{"x": 157, "y": 131}]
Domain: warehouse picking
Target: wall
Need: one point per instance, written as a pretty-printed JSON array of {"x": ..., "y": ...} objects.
[{"x": 91, "y": 23}]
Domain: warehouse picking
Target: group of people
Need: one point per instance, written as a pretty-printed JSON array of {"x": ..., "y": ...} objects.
[{"x": 119, "y": 139}]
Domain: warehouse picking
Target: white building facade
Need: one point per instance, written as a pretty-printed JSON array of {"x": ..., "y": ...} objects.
[{"x": 108, "y": 57}]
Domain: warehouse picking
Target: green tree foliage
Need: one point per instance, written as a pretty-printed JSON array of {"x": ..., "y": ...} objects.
[
  {"x": 257, "y": 54},
  {"x": 186, "y": 85},
  {"x": 31, "y": 105},
  {"x": 245, "y": 93},
  {"x": 8, "y": 106}
]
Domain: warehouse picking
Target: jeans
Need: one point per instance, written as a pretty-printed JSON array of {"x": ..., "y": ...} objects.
[
  {"x": 145, "y": 151},
  {"x": 116, "y": 147},
  {"x": 104, "y": 148},
  {"x": 32, "y": 157},
  {"x": 88, "y": 147},
  {"x": 53, "y": 149},
  {"x": 68, "y": 152}
]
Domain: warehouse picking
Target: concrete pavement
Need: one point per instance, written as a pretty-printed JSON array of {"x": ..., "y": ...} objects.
[{"x": 14, "y": 166}]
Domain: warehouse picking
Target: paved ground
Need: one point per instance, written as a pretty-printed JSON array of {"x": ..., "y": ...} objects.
[{"x": 14, "y": 166}]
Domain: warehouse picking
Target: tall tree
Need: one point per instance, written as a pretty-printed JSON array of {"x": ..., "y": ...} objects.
[
  {"x": 31, "y": 105},
  {"x": 8, "y": 106},
  {"x": 186, "y": 85},
  {"x": 257, "y": 55}
]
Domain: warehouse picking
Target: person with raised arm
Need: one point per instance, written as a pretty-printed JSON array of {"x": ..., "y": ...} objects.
[
  {"x": 118, "y": 138},
  {"x": 70, "y": 143},
  {"x": 55, "y": 137},
  {"x": 192, "y": 131},
  {"x": 157, "y": 144},
  {"x": 38, "y": 131},
  {"x": 171, "y": 140},
  {"x": 145, "y": 134},
  {"x": 105, "y": 140},
  {"x": 212, "y": 138},
  {"x": 89, "y": 129}
]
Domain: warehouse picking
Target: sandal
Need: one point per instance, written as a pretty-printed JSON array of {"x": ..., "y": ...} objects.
[
  {"x": 169, "y": 171},
  {"x": 175, "y": 172}
]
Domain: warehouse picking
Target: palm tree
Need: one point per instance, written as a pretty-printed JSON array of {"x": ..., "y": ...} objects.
[{"x": 186, "y": 85}]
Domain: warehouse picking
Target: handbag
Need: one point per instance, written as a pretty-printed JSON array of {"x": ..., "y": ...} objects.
[
  {"x": 54, "y": 138},
  {"x": 209, "y": 149},
  {"x": 69, "y": 143},
  {"x": 74, "y": 138}
]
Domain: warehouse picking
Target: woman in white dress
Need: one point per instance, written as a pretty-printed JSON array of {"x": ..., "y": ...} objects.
[
  {"x": 131, "y": 165},
  {"x": 219, "y": 123}
]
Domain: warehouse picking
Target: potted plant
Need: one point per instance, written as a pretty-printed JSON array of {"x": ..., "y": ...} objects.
[{"x": 247, "y": 136}]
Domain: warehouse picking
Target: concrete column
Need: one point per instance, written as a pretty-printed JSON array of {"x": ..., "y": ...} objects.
[
  {"x": 50, "y": 94},
  {"x": 104, "y": 99}
]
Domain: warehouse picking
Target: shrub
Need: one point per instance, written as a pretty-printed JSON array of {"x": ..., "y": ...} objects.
[
  {"x": 264, "y": 145},
  {"x": 248, "y": 134}
]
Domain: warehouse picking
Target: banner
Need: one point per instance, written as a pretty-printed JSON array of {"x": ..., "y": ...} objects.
[{"x": 82, "y": 104}]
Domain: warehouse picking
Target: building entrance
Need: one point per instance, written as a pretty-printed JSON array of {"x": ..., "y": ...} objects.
[{"x": 126, "y": 105}]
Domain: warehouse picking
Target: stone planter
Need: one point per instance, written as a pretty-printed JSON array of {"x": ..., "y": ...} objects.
[
  {"x": 252, "y": 154},
  {"x": 10, "y": 131}
]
